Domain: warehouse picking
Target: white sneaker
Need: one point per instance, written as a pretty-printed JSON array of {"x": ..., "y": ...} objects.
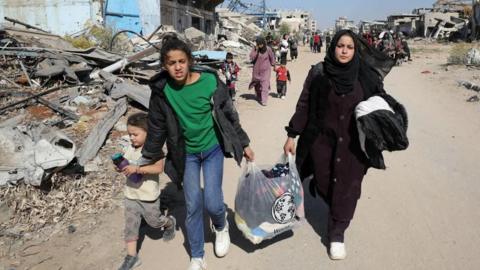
[
  {"x": 222, "y": 240},
  {"x": 337, "y": 251},
  {"x": 197, "y": 264},
  {"x": 283, "y": 97}
]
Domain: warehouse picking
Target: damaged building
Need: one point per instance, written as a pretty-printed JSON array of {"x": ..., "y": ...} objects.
[
  {"x": 344, "y": 23},
  {"x": 405, "y": 23},
  {"x": 183, "y": 14},
  {"x": 141, "y": 16},
  {"x": 376, "y": 26}
]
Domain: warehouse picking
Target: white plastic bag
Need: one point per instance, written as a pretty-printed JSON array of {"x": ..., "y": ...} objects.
[{"x": 266, "y": 206}]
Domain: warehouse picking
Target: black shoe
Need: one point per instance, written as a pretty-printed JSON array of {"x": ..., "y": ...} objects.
[
  {"x": 169, "y": 232},
  {"x": 130, "y": 262}
]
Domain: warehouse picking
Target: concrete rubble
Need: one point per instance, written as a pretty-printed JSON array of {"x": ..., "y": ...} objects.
[
  {"x": 63, "y": 114},
  {"x": 31, "y": 153}
]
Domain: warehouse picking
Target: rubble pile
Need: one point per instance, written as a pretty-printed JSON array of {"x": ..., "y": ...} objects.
[
  {"x": 62, "y": 114},
  {"x": 465, "y": 54},
  {"x": 30, "y": 209},
  {"x": 237, "y": 32}
]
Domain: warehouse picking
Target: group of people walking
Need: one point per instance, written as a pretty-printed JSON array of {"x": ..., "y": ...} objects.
[
  {"x": 192, "y": 112},
  {"x": 393, "y": 44},
  {"x": 263, "y": 59}
]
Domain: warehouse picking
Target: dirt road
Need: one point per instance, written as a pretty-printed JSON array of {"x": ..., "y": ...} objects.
[{"x": 421, "y": 213}]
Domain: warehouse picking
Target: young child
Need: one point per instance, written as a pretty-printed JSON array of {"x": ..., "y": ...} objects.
[
  {"x": 192, "y": 112},
  {"x": 230, "y": 69},
  {"x": 142, "y": 199},
  {"x": 283, "y": 74}
]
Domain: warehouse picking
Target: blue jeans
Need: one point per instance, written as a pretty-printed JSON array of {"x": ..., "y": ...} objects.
[{"x": 211, "y": 163}]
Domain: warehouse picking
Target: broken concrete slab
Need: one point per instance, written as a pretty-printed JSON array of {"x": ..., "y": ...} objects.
[
  {"x": 28, "y": 151},
  {"x": 121, "y": 64},
  {"x": 99, "y": 133},
  {"x": 36, "y": 38},
  {"x": 473, "y": 57},
  {"x": 119, "y": 88},
  {"x": 196, "y": 38}
]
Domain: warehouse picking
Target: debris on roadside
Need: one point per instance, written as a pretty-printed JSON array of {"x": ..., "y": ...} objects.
[
  {"x": 62, "y": 101},
  {"x": 473, "y": 99},
  {"x": 469, "y": 85}
]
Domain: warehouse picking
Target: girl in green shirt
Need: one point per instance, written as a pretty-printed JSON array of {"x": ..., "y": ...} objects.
[{"x": 191, "y": 110}]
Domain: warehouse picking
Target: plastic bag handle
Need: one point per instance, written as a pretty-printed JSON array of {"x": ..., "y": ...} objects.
[
  {"x": 250, "y": 166},
  {"x": 290, "y": 158}
]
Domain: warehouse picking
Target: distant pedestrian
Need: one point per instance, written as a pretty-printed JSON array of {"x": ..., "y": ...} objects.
[
  {"x": 328, "y": 39},
  {"x": 269, "y": 39},
  {"x": 283, "y": 74},
  {"x": 263, "y": 60},
  {"x": 142, "y": 197},
  {"x": 284, "y": 47},
  {"x": 293, "y": 44},
  {"x": 406, "y": 49},
  {"x": 320, "y": 44},
  {"x": 316, "y": 43},
  {"x": 312, "y": 44},
  {"x": 230, "y": 69}
]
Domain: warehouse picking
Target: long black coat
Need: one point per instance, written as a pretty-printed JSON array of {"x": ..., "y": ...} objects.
[{"x": 308, "y": 121}]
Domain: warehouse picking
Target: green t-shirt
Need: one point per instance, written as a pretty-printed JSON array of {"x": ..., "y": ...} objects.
[{"x": 194, "y": 111}]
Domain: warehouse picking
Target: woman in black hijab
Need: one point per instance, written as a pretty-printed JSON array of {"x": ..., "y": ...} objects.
[{"x": 324, "y": 120}]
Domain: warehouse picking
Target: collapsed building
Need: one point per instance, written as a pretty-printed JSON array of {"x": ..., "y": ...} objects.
[{"x": 344, "y": 23}]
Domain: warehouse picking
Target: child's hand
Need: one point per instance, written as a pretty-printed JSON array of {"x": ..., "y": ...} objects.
[{"x": 130, "y": 169}]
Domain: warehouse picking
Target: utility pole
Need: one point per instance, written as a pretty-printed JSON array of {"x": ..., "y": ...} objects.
[{"x": 264, "y": 10}]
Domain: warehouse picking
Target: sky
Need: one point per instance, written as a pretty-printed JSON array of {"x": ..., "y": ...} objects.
[{"x": 327, "y": 11}]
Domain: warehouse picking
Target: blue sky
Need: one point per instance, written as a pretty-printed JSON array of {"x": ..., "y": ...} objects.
[{"x": 326, "y": 11}]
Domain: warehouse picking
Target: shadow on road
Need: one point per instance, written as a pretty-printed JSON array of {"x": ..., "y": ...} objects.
[
  {"x": 249, "y": 96},
  {"x": 316, "y": 213}
]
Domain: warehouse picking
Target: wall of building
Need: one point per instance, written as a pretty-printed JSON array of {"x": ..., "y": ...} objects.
[
  {"x": 428, "y": 20},
  {"x": 183, "y": 16},
  {"x": 57, "y": 17}
]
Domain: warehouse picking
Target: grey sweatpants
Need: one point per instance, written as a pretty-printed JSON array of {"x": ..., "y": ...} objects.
[{"x": 135, "y": 210}]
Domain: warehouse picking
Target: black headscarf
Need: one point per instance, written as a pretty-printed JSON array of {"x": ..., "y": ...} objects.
[
  {"x": 261, "y": 40},
  {"x": 345, "y": 75},
  {"x": 368, "y": 65}
]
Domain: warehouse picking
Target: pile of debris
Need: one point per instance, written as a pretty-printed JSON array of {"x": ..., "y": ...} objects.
[
  {"x": 62, "y": 115},
  {"x": 237, "y": 32}
]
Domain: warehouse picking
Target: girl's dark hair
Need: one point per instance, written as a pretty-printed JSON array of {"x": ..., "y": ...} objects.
[
  {"x": 229, "y": 55},
  {"x": 172, "y": 42},
  {"x": 138, "y": 120}
]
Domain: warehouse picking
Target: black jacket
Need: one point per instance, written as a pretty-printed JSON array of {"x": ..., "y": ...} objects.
[
  {"x": 163, "y": 126},
  {"x": 382, "y": 125}
]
